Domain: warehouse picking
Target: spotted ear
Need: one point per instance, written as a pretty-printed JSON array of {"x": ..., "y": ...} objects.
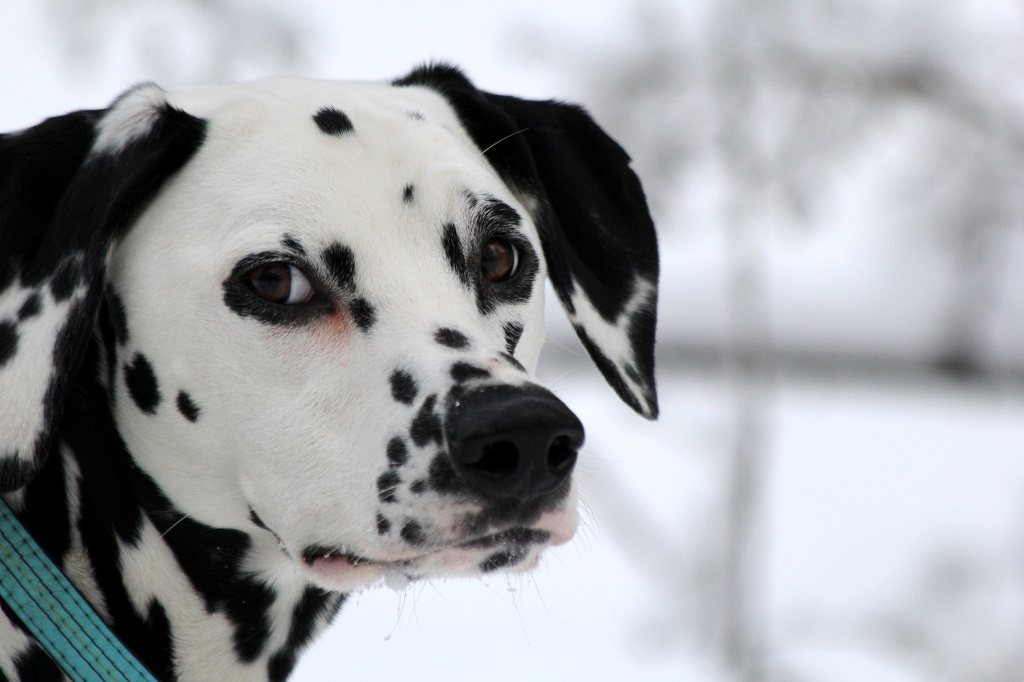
[
  {"x": 69, "y": 188},
  {"x": 598, "y": 237}
]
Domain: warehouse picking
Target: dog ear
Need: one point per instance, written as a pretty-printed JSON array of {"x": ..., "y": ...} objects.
[
  {"x": 598, "y": 237},
  {"x": 69, "y": 188}
]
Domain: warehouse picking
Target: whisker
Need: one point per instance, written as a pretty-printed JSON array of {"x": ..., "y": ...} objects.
[{"x": 502, "y": 140}]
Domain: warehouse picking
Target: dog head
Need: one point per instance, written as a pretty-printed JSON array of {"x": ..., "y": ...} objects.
[{"x": 320, "y": 305}]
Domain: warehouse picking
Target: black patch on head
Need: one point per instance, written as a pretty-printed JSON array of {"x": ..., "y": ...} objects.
[
  {"x": 142, "y": 384},
  {"x": 187, "y": 408},
  {"x": 398, "y": 452},
  {"x": 363, "y": 313},
  {"x": 426, "y": 427},
  {"x": 292, "y": 244},
  {"x": 403, "y": 387},
  {"x": 419, "y": 486},
  {"x": 452, "y": 338},
  {"x": 31, "y": 307},
  {"x": 387, "y": 485},
  {"x": 453, "y": 252},
  {"x": 513, "y": 332},
  {"x": 8, "y": 341},
  {"x": 33, "y": 664},
  {"x": 332, "y": 121},
  {"x": 416, "y": 116},
  {"x": 412, "y": 532},
  {"x": 341, "y": 263},
  {"x": 408, "y": 194},
  {"x": 383, "y": 524},
  {"x": 118, "y": 317},
  {"x": 463, "y": 371}
]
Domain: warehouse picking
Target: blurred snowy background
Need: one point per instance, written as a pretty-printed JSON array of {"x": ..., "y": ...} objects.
[{"x": 835, "y": 490}]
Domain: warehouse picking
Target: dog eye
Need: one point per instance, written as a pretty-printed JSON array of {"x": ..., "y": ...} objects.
[
  {"x": 499, "y": 260},
  {"x": 280, "y": 283}
]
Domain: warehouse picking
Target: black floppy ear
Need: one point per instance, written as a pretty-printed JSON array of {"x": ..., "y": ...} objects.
[
  {"x": 69, "y": 188},
  {"x": 598, "y": 237}
]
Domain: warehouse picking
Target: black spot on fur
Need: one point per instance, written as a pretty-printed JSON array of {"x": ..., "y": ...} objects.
[
  {"x": 256, "y": 520},
  {"x": 332, "y": 121},
  {"x": 387, "y": 485},
  {"x": 416, "y": 116},
  {"x": 316, "y": 604},
  {"x": 503, "y": 559},
  {"x": 512, "y": 361},
  {"x": 408, "y": 194},
  {"x": 341, "y": 263},
  {"x": 463, "y": 371},
  {"x": 442, "y": 476},
  {"x": 412, "y": 532},
  {"x": 363, "y": 313},
  {"x": 118, "y": 317},
  {"x": 187, "y": 408},
  {"x": 403, "y": 387},
  {"x": 419, "y": 486},
  {"x": 8, "y": 341},
  {"x": 426, "y": 427},
  {"x": 30, "y": 308},
  {"x": 292, "y": 244},
  {"x": 398, "y": 452},
  {"x": 513, "y": 332},
  {"x": 142, "y": 384},
  {"x": 33, "y": 664},
  {"x": 454, "y": 253},
  {"x": 452, "y": 338},
  {"x": 66, "y": 279},
  {"x": 383, "y": 525}
]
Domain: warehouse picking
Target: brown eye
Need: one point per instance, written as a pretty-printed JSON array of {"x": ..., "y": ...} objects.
[
  {"x": 280, "y": 283},
  {"x": 499, "y": 260}
]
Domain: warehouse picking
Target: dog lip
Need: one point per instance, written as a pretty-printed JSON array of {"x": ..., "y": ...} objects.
[{"x": 315, "y": 553}]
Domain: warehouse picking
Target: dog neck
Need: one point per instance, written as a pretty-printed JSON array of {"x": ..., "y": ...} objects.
[{"x": 190, "y": 600}]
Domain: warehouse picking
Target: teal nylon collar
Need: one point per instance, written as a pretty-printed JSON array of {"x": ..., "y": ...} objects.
[{"x": 56, "y": 614}]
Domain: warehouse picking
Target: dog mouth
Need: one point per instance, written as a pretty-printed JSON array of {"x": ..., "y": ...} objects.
[{"x": 342, "y": 568}]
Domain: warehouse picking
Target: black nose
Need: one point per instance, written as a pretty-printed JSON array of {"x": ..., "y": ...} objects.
[{"x": 512, "y": 442}]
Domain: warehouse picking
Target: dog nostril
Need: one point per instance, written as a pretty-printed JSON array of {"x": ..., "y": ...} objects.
[
  {"x": 497, "y": 460},
  {"x": 561, "y": 456}
]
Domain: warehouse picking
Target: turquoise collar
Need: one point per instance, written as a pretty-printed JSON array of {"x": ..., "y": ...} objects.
[{"x": 56, "y": 614}]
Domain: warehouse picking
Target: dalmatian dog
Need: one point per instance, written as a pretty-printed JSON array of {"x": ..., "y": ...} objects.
[{"x": 265, "y": 344}]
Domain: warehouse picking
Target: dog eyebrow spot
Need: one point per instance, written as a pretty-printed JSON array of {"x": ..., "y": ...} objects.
[
  {"x": 332, "y": 121},
  {"x": 403, "y": 387},
  {"x": 408, "y": 194},
  {"x": 142, "y": 384},
  {"x": 187, "y": 407},
  {"x": 452, "y": 338},
  {"x": 416, "y": 116},
  {"x": 513, "y": 332},
  {"x": 292, "y": 244}
]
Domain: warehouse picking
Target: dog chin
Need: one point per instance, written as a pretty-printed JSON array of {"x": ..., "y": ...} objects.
[{"x": 514, "y": 550}]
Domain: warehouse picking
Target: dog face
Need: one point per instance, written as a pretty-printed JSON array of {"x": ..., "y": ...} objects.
[{"x": 324, "y": 304}]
